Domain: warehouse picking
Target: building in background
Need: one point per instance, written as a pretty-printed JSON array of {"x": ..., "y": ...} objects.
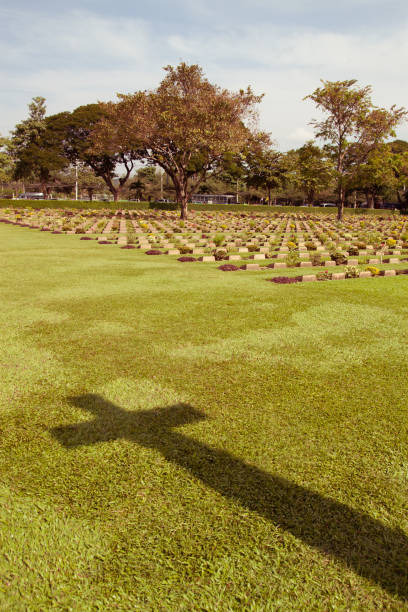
[
  {"x": 211, "y": 198},
  {"x": 37, "y": 195}
]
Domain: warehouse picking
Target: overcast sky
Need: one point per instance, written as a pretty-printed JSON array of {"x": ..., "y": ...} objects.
[{"x": 86, "y": 50}]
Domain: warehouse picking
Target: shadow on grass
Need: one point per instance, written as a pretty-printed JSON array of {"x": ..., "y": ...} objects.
[{"x": 362, "y": 543}]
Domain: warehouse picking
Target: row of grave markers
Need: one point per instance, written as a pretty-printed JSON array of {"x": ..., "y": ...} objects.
[{"x": 242, "y": 233}]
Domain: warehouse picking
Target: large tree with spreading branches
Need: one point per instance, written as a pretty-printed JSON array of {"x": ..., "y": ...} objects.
[
  {"x": 185, "y": 126},
  {"x": 72, "y": 134},
  {"x": 352, "y": 127}
]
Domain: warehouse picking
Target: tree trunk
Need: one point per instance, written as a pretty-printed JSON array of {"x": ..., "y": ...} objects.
[
  {"x": 114, "y": 190},
  {"x": 342, "y": 195},
  {"x": 340, "y": 205},
  {"x": 181, "y": 195},
  {"x": 183, "y": 207},
  {"x": 44, "y": 190},
  {"x": 369, "y": 199}
]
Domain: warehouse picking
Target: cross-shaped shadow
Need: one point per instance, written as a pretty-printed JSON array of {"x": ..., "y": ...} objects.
[{"x": 364, "y": 544}]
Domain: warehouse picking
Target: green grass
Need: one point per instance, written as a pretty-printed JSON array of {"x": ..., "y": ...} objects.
[{"x": 178, "y": 438}]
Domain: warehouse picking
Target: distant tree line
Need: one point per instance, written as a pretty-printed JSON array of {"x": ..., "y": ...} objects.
[{"x": 190, "y": 136}]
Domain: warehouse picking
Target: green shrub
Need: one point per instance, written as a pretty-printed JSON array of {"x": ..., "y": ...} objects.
[
  {"x": 310, "y": 246},
  {"x": 374, "y": 239},
  {"x": 155, "y": 205},
  {"x": 316, "y": 259},
  {"x": 128, "y": 205},
  {"x": 218, "y": 239},
  {"x": 292, "y": 259},
  {"x": 352, "y": 271},
  {"x": 338, "y": 257},
  {"x": 220, "y": 254}
]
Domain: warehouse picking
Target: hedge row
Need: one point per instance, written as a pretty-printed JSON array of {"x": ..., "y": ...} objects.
[{"x": 94, "y": 205}]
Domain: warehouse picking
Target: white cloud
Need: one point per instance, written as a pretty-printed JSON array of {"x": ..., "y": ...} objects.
[
  {"x": 287, "y": 66},
  {"x": 83, "y": 57},
  {"x": 301, "y": 134},
  {"x": 179, "y": 44},
  {"x": 80, "y": 34}
]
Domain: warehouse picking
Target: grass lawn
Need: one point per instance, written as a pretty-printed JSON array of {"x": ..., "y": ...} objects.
[{"x": 178, "y": 438}]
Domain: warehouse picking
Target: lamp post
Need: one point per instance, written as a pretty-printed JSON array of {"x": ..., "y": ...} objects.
[{"x": 76, "y": 181}]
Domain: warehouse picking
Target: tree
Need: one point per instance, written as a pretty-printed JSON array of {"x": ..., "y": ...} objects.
[
  {"x": 147, "y": 173},
  {"x": 227, "y": 175},
  {"x": 37, "y": 110},
  {"x": 376, "y": 177},
  {"x": 35, "y": 154},
  {"x": 87, "y": 181},
  {"x": 185, "y": 126},
  {"x": 137, "y": 187},
  {"x": 310, "y": 170},
  {"x": 353, "y": 127},
  {"x": 147, "y": 183},
  {"x": 399, "y": 149},
  {"x": 399, "y": 146},
  {"x": 265, "y": 168},
  {"x": 6, "y": 161},
  {"x": 258, "y": 165},
  {"x": 74, "y": 132},
  {"x": 29, "y": 131}
]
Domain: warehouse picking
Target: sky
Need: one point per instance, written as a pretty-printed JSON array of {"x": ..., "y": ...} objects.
[{"x": 81, "y": 51}]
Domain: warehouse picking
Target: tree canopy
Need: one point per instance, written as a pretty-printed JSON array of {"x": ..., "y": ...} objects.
[
  {"x": 35, "y": 152},
  {"x": 264, "y": 166},
  {"x": 74, "y": 134},
  {"x": 352, "y": 128},
  {"x": 204, "y": 138},
  {"x": 6, "y": 161},
  {"x": 310, "y": 170},
  {"x": 185, "y": 126}
]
